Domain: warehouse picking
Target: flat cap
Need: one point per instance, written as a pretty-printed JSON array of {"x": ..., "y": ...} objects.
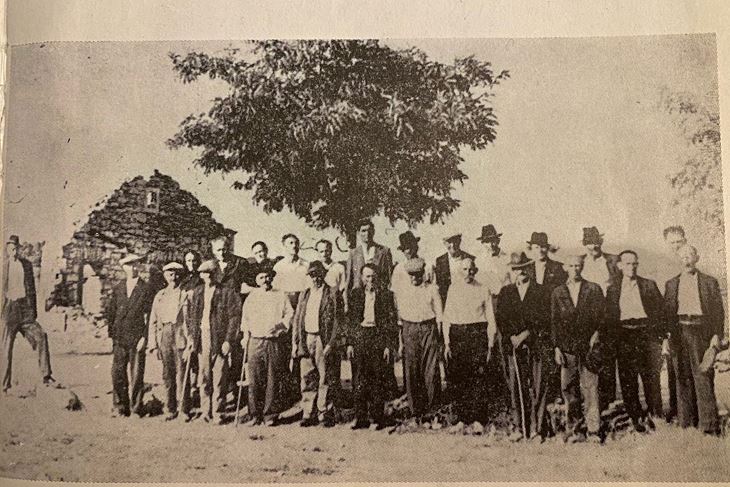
[
  {"x": 415, "y": 265},
  {"x": 209, "y": 266},
  {"x": 173, "y": 266}
]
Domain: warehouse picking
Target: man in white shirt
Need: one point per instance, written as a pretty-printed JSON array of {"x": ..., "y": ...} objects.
[
  {"x": 400, "y": 278},
  {"x": 420, "y": 315},
  {"x": 291, "y": 271},
  {"x": 469, "y": 329},
  {"x": 335, "y": 277},
  {"x": 266, "y": 324},
  {"x": 492, "y": 261}
]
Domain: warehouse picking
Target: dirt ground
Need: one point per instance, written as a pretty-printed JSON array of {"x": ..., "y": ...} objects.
[{"x": 41, "y": 440}]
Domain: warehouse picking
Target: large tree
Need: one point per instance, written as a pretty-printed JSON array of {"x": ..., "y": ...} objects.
[{"x": 337, "y": 130}]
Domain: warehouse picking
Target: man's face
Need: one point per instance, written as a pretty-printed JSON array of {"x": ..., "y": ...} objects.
[
  {"x": 170, "y": 277},
  {"x": 453, "y": 246},
  {"x": 688, "y": 257},
  {"x": 324, "y": 251},
  {"x": 538, "y": 252},
  {"x": 593, "y": 249},
  {"x": 417, "y": 278},
  {"x": 364, "y": 234},
  {"x": 519, "y": 274},
  {"x": 263, "y": 280},
  {"x": 260, "y": 253},
  {"x": 368, "y": 278},
  {"x": 218, "y": 247},
  {"x": 317, "y": 279},
  {"x": 291, "y": 246},
  {"x": 675, "y": 241},
  {"x": 410, "y": 251},
  {"x": 493, "y": 245},
  {"x": 11, "y": 249},
  {"x": 628, "y": 265},
  {"x": 573, "y": 266},
  {"x": 469, "y": 270},
  {"x": 191, "y": 261}
]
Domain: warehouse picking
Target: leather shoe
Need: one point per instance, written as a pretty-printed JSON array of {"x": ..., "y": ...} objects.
[
  {"x": 360, "y": 424},
  {"x": 310, "y": 421}
]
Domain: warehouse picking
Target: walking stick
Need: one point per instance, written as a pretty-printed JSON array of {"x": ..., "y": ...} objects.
[
  {"x": 240, "y": 384},
  {"x": 519, "y": 388}
]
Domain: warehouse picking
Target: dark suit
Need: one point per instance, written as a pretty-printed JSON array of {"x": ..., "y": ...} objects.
[
  {"x": 442, "y": 272},
  {"x": 534, "y": 358},
  {"x": 696, "y": 402},
  {"x": 554, "y": 275},
  {"x": 127, "y": 318},
  {"x": 634, "y": 342},
  {"x": 370, "y": 370},
  {"x": 572, "y": 328},
  {"x": 382, "y": 260}
]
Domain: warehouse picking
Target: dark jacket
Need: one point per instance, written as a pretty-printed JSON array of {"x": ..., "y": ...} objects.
[
  {"x": 234, "y": 275},
  {"x": 385, "y": 318},
  {"x": 573, "y": 326},
  {"x": 190, "y": 281},
  {"x": 442, "y": 271},
  {"x": 713, "y": 313},
  {"x": 651, "y": 299},
  {"x": 554, "y": 276},
  {"x": 29, "y": 310},
  {"x": 515, "y": 316},
  {"x": 331, "y": 317},
  {"x": 225, "y": 316},
  {"x": 382, "y": 260},
  {"x": 128, "y": 316}
]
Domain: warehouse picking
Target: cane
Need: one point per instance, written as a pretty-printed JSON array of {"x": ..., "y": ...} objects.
[
  {"x": 519, "y": 388},
  {"x": 240, "y": 384}
]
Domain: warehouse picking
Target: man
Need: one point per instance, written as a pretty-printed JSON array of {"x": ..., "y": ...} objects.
[
  {"x": 213, "y": 319},
  {"x": 400, "y": 278},
  {"x": 493, "y": 261},
  {"x": 696, "y": 320},
  {"x": 469, "y": 329},
  {"x": 291, "y": 271},
  {"x": 168, "y": 328},
  {"x": 266, "y": 325},
  {"x": 190, "y": 278},
  {"x": 544, "y": 270},
  {"x": 230, "y": 270},
  {"x": 367, "y": 251},
  {"x": 257, "y": 263},
  {"x": 371, "y": 337},
  {"x": 635, "y": 324},
  {"x": 317, "y": 331},
  {"x": 577, "y": 313},
  {"x": 448, "y": 266},
  {"x": 523, "y": 315},
  {"x": 335, "y": 277},
  {"x": 127, "y": 317},
  {"x": 19, "y": 313},
  {"x": 420, "y": 315}
]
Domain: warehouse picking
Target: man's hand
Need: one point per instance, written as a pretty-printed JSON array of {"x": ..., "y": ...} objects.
[
  {"x": 327, "y": 350},
  {"x": 189, "y": 350},
  {"x": 294, "y": 352},
  {"x": 715, "y": 342},
  {"x": 489, "y": 352},
  {"x": 141, "y": 344},
  {"x": 665, "y": 348},
  {"x": 386, "y": 355},
  {"x": 225, "y": 348},
  {"x": 519, "y": 339},
  {"x": 594, "y": 339},
  {"x": 559, "y": 358},
  {"x": 350, "y": 352},
  {"x": 447, "y": 352}
]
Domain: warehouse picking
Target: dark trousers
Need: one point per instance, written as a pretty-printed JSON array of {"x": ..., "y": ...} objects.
[
  {"x": 12, "y": 324},
  {"x": 534, "y": 379},
  {"x": 422, "y": 347},
  {"x": 369, "y": 371},
  {"x": 635, "y": 348},
  {"x": 696, "y": 403},
  {"x": 173, "y": 370},
  {"x": 466, "y": 373},
  {"x": 607, "y": 372},
  {"x": 269, "y": 376},
  {"x": 127, "y": 357}
]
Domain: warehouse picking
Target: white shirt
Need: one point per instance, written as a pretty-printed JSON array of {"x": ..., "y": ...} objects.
[
  {"x": 419, "y": 303},
  {"x": 16, "y": 280},
  {"x": 596, "y": 270},
  {"x": 522, "y": 289},
  {"x": 688, "y": 295},
  {"x": 400, "y": 279},
  {"x": 368, "y": 318},
  {"x": 454, "y": 267},
  {"x": 167, "y": 305},
  {"x": 630, "y": 304},
  {"x": 368, "y": 253},
  {"x": 311, "y": 313},
  {"x": 494, "y": 270},
  {"x": 574, "y": 290},
  {"x": 335, "y": 277},
  {"x": 266, "y": 314},
  {"x": 291, "y": 277},
  {"x": 131, "y": 283},
  {"x": 539, "y": 271},
  {"x": 469, "y": 303}
]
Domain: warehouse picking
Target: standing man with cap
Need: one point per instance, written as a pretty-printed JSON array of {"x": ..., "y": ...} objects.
[
  {"x": 696, "y": 320},
  {"x": 469, "y": 330},
  {"x": 493, "y": 261},
  {"x": 420, "y": 315},
  {"x": 127, "y": 319},
  {"x": 19, "y": 313},
  {"x": 635, "y": 325},
  {"x": 213, "y": 318},
  {"x": 169, "y": 334},
  {"x": 266, "y": 325},
  {"x": 367, "y": 251},
  {"x": 577, "y": 313},
  {"x": 523, "y": 315},
  {"x": 448, "y": 266},
  {"x": 317, "y": 332},
  {"x": 544, "y": 270}
]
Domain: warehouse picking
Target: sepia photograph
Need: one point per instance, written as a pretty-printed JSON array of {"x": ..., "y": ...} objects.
[{"x": 365, "y": 260}]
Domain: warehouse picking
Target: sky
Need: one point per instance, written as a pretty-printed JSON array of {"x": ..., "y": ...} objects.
[{"x": 581, "y": 139}]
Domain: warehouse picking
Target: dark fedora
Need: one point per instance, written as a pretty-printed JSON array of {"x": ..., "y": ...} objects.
[
  {"x": 407, "y": 240},
  {"x": 14, "y": 239},
  {"x": 518, "y": 260},
  {"x": 539, "y": 238},
  {"x": 489, "y": 233},
  {"x": 591, "y": 235},
  {"x": 316, "y": 268}
]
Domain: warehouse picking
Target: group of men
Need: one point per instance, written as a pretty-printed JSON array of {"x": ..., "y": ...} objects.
[{"x": 554, "y": 330}]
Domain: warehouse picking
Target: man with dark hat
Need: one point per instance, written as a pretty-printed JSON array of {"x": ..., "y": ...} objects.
[
  {"x": 544, "y": 270},
  {"x": 400, "y": 278},
  {"x": 317, "y": 332},
  {"x": 169, "y": 337},
  {"x": 523, "y": 315},
  {"x": 420, "y": 315},
  {"x": 127, "y": 318},
  {"x": 19, "y": 313},
  {"x": 469, "y": 331},
  {"x": 493, "y": 262},
  {"x": 577, "y": 314},
  {"x": 447, "y": 268}
]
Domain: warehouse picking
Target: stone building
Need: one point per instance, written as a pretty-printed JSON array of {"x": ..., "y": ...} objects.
[{"x": 152, "y": 217}]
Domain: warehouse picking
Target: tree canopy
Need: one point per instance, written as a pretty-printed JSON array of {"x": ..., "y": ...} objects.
[{"x": 338, "y": 130}]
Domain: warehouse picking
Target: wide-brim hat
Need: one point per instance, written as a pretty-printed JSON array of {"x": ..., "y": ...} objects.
[
  {"x": 489, "y": 233},
  {"x": 316, "y": 267},
  {"x": 407, "y": 240},
  {"x": 130, "y": 259},
  {"x": 415, "y": 266},
  {"x": 539, "y": 238},
  {"x": 13, "y": 239},
  {"x": 519, "y": 260},
  {"x": 591, "y": 235},
  {"x": 452, "y": 237}
]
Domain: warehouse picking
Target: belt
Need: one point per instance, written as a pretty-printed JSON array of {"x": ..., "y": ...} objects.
[
  {"x": 429, "y": 321},
  {"x": 634, "y": 323},
  {"x": 312, "y": 333},
  {"x": 690, "y": 319}
]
